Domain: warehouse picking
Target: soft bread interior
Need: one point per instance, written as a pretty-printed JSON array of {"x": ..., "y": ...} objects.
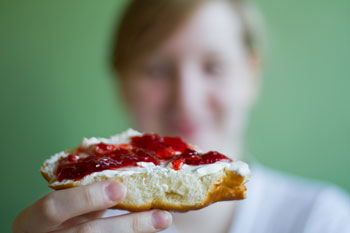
[
  {"x": 177, "y": 188},
  {"x": 170, "y": 190}
]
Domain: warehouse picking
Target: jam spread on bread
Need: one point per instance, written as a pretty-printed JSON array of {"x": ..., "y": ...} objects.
[{"x": 149, "y": 148}]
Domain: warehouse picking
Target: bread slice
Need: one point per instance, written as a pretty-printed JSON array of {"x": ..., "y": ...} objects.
[{"x": 151, "y": 186}]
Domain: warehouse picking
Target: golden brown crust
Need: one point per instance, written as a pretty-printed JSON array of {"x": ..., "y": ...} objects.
[
  {"x": 231, "y": 187},
  {"x": 45, "y": 175}
]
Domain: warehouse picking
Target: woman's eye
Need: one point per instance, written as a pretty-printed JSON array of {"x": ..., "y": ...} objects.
[
  {"x": 214, "y": 68},
  {"x": 158, "y": 71}
]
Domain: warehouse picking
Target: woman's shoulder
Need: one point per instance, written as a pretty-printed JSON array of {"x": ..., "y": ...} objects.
[
  {"x": 297, "y": 188},
  {"x": 280, "y": 201}
]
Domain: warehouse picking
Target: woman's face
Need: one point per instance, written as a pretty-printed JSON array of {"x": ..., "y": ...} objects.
[{"x": 198, "y": 84}]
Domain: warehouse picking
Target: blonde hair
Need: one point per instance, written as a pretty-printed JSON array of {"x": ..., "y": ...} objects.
[{"x": 146, "y": 23}]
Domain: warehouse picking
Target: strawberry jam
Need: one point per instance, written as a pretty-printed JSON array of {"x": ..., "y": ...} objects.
[
  {"x": 150, "y": 148},
  {"x": 163, "y": 147},
  {"x": 191, "y": 157}
]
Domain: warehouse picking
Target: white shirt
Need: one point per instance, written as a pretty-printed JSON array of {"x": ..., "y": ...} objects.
[{"x": 280, "y": 203}]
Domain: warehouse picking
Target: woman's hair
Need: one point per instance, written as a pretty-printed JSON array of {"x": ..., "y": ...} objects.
[{"x": 147, "y": 23}]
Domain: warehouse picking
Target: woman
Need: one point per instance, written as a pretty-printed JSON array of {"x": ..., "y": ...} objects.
[{"x": 191, "y": 69}]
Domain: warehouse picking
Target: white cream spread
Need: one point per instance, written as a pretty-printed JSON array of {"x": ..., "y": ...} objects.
[
  {"x": 116, "y": 139},
  {"x": 238, "y": 167}
]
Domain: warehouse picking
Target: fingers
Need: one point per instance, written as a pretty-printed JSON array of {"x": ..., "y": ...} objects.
[
  {"x": 59, "y": 206},
  {"x": 143, "y": 222},
  {"x": 82, "y": 219}
]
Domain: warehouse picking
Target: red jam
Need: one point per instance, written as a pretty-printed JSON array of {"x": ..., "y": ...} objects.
[
  {"x": 163, "y": 147},
  {"x": 191, "y": 157},
  {"x": 145, "y": 148}
]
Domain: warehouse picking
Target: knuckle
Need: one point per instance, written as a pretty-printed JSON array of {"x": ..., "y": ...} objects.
[
  {"x": 136, "y": 224},
  {"x": 88, "y": 197},
  {"x": 88, "y": 227},
  {"x": 48, "y": 209}
]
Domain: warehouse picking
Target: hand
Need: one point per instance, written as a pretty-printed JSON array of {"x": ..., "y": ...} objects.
[{"x": 80, "y": 209}]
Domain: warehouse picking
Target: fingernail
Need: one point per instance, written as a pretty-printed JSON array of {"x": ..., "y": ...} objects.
[
  {"x": 115, "y": 191},
  {"x": 161, "y": 219}
]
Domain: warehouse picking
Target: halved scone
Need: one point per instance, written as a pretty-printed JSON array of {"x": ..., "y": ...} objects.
[{"x": 158, "y": 172}]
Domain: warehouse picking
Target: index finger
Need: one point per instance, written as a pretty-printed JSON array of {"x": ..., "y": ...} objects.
[{"x": 57, "y": 207}]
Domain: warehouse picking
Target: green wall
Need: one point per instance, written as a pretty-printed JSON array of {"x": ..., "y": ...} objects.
[{"x": 56, "y": 88}]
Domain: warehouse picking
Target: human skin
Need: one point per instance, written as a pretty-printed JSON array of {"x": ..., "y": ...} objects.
[
  {"x": 80, "y": 210},
  {"x": 199, "y": 84}
]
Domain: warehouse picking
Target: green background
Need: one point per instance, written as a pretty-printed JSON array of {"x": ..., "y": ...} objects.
[{"x": 56, "y": 88}]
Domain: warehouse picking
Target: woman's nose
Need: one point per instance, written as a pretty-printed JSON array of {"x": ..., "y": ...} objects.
[{"x": 187, "y": 90}]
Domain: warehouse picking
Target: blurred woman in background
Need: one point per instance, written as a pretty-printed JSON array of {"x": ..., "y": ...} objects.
[{"x": 192, "y": 69}]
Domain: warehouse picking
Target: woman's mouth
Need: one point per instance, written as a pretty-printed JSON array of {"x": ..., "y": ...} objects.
[{"x": 185, "y": 129}]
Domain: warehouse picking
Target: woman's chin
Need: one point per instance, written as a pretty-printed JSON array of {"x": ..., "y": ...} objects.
[{"x": 186, "y": 132}]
